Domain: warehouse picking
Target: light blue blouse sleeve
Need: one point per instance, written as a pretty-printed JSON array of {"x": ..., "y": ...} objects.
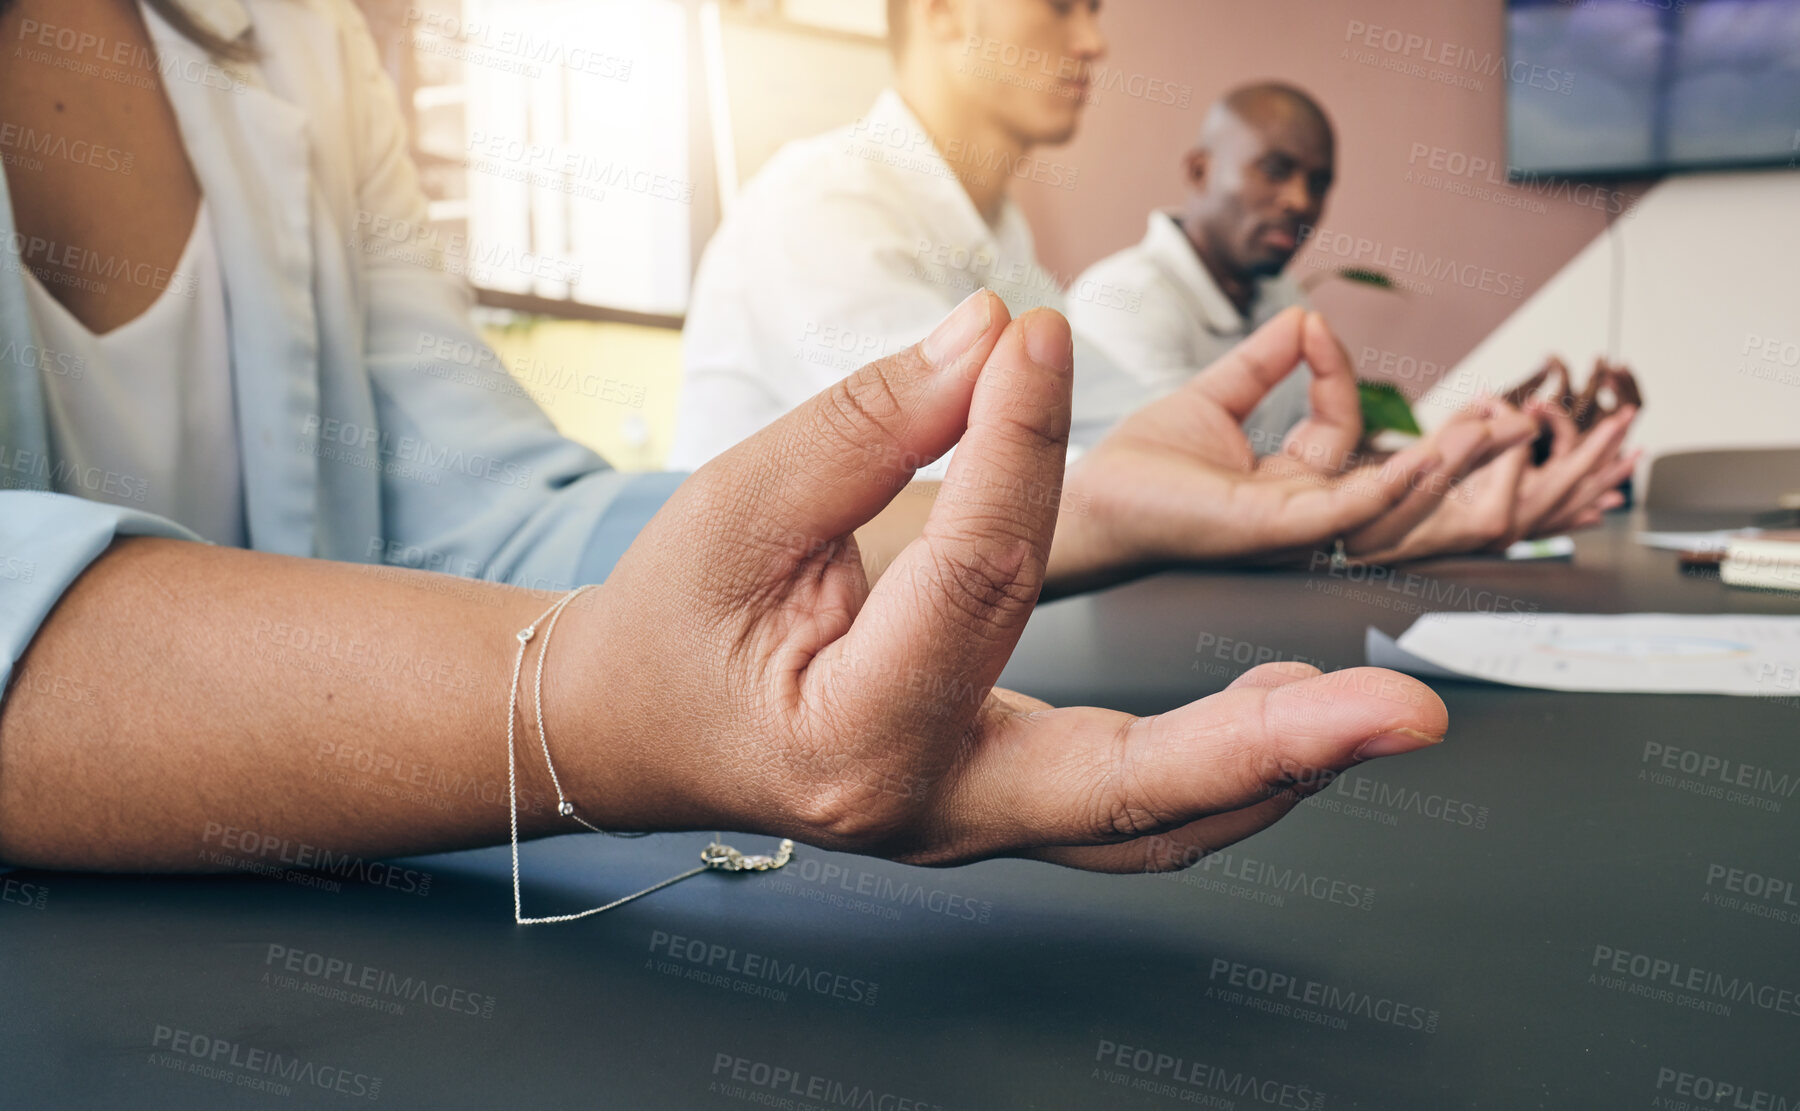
[
  {"x": 46, "y": 542},
  {"x": 476, "y": 481}
]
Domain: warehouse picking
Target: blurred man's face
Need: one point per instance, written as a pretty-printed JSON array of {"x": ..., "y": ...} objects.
[
  {"x": 1262, "y": 189},
  {"x": 1028, "y": 63}
]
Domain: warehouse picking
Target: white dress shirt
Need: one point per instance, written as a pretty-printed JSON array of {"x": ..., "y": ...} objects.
[
  {"x": 1177, "y": 322},
  {"x": 847, "y": 247}
]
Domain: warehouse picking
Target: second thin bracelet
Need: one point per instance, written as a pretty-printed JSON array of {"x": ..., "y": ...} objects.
[{"x": 715, "y": 857}]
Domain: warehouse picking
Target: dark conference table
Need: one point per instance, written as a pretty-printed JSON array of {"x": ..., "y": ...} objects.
[{"x": 1564, "y": 906}]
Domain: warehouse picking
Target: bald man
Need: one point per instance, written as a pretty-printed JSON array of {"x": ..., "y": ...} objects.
[
  {"x": 1206, "y": 276},
  {"x": 852, "y": 245}
]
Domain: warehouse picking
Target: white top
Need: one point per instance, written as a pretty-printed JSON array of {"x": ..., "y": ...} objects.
[
  {"x": 144, "y": 416},
  {"x": 847, "y": 247},
  {"x": 1177, "y": 321}
]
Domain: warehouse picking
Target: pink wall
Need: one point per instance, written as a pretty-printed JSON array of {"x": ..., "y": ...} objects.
[{"x": 1384, "y": 102}]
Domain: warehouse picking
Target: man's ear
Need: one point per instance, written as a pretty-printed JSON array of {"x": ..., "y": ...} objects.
[
  {"x": 1194, "y": 166},
  {"x": 946, "y": 22}
]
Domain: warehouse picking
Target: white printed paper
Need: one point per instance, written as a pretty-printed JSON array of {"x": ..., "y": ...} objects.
[
  {"x": 1645, "y": 653},
  {"x": 1715, "y": 540}
]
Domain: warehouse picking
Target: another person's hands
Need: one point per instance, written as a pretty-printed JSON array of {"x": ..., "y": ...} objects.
[
  {"x": 738, "y": 671},
  {"x": 1580, "y": 480},
  {"x": 1506, "y": 498},
  {"x": 1179, "y": 481}
]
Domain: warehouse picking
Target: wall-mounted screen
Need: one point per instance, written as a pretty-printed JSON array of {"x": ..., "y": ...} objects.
[{"x": 1646, "y": 86}]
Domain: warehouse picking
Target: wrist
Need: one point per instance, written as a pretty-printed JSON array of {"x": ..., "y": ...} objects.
[
  {"x": 586, "y": 697},
  {"x": 1091, "y": 548}
]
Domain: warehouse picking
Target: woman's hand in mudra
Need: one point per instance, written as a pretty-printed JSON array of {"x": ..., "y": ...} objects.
[{"x": 748, "y": 676}]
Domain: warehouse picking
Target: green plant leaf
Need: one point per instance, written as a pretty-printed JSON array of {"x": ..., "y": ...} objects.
[
  {"x": 1384, "y": 409},
  {"x": 1364, "y": 276}
]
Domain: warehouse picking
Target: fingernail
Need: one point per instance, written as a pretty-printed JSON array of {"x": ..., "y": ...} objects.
[
  {"x": 1395, "y": 743},
  {"x": 967, "y": 323},
  {"x": 1048, "y": 341}
]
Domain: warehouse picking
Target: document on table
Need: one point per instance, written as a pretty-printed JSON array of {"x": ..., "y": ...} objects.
[
  {"x": 1715, "y": 540},
  {"x": 1643, "y": 653}
]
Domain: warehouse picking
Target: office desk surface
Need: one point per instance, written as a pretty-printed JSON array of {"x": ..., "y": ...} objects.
[{"x": 1578, "y": 901}]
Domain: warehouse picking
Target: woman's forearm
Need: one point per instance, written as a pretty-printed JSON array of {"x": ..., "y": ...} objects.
[
  {"x": 196, "y": 708},
  {"x": 189, "y": 708}
]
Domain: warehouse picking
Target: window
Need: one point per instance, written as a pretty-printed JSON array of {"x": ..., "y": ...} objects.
[
  {"x": 570, "y": 152},
  {"x": 554, "y": 139}
]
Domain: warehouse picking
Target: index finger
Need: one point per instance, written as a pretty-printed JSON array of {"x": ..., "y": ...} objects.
[
  {"x": 1334, "y": 426},
  {"x": 951, "y": 607}
]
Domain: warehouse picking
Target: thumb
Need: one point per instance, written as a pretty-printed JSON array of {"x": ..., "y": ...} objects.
[
  {"x": 1243, "y": 376},
  {"x": 1085, "y": 777},
  {"x": 830, "y": 466}
]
